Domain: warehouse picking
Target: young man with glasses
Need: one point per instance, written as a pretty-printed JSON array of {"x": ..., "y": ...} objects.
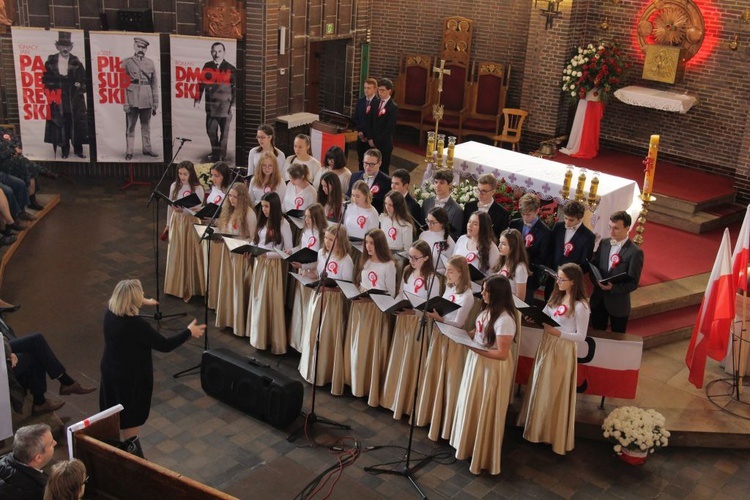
[
  {"x": 382, "y": 122},
  {"x": 442, "y": 183},
  {"x": 486, "y": 186},
  {"x": 572, "y": 241},
  {"x": 378, "y": 182}
]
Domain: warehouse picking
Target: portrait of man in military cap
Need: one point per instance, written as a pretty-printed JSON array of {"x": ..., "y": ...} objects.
[{"x": 141, "y": 97}]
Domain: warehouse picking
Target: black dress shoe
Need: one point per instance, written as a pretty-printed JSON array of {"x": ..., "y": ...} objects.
[
  {"x": 80, "y": 155},
  {"x": 64, "y": 156},
  {"x": 17, "y": 226},
  {"x": 151, "y": 154},
  {"x": 4, "y": 242},
  {"x": 35, "y": 205},
  {"x": 10, "y": 309},
  {"x": 128, "y": 156}
]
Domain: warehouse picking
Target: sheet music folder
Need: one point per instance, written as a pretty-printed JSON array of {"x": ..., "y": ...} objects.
[
  {"x": 302, "y": 255},
  {"x": 459, "y": 336},
  {"x": 617, "y": 279},
  {"x": 313, "y": 283},
  {"x": 351, "y": 291},
  {"x": 188, "y": 201},
  {"x": 208, "y": 211},
  {"x": 538, "y": 316}
]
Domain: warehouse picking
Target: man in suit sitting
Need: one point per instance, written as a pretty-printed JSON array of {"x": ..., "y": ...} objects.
[
  {"x": 362, "y": 117},
  {"x": 610, "y": 303},
  {"x": 486, "y": 187},
  {"x": 378, "y": 182},
  {"x": 382, "y": 122},
  {"x": 220, "y": 98},
  {"x": 537, "y": 238},
  {"x": 442, "y": 183},
  {"x": 400, "y": 182},
  {"x": 572, "y": 241}
]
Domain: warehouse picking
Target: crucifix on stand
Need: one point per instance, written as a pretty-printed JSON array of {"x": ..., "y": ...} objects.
[{"x": 436, "y": 141}]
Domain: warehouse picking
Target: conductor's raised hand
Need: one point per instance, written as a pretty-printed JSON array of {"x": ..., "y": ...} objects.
[
  {"x": 150, "y": 302},
  {"x": 196, "y": 330}
]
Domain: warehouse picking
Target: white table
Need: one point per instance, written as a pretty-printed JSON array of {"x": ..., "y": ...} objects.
[
  {"x": 545, "y": 178},
  {"x": 663, "y": 100}
]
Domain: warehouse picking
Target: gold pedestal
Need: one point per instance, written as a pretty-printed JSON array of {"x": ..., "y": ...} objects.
[{"x": 646, "y": 200}]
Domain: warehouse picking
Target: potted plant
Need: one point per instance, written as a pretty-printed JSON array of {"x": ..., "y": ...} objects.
[{"x": 635, "y": 432}]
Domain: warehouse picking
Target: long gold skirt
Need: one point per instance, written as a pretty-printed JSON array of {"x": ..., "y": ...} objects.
[
  {"x": 481, "y": 408},
  {"x": 235, "y": 280},
  {"x": 441, "y": 381},
  {"x": 212, "y": 273},
  {"x": 265, "y": 316},
  {"x": 184, "y": 275},
  {"x": 366, "y": 351},
  {"x": 331, "y": 355},
  {"x": 301, "y": 298},
  {"x": 548, "y": 412},
  {"x": 401, "y": 375}
]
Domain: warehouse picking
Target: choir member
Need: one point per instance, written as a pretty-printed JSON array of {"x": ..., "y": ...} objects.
[
  {"x": 335, "y": 161},
  {"x": 221, "y": 178},
  {"x": 302, "y": 156},
  {"x": 235, "y": 277},
  {"x": 548, "y": 412},
  {"x": 331, "y": 301},
  {"x": 368, "y": 330},
  {"x": 265, "y": 316},
  {"x": 300, "y": 194},
  {"x": 401, "y": 376},
  {"x": 537, "y": 238},
  {"x": 266, "y": 179},
  {"x": 484, "y": 394},
  {"x": 478, "y": 244},
  {"x": 331, "y": 196},
  {"x": 513, "y": 263},
  {"x": 438, "y": 229},
  {"x": 360, "y": 216},
  {"x": 396, "y": 222},
  {"x": 184, "y": 273},
  {"x": 572, "y": 241},
  {"x": 265, "y": 137}
]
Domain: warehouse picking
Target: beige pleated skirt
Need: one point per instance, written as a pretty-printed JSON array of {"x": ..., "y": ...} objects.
[
  {"x": 184, "y": 275},
  {"x": 265, "y": 316},
  {"x": 401, "y": 375},
  {"x": 300, "y": 301},
  {"x": 366, "y": 351},
  {"x": 235, "y": 281},
  {"x": 331, "y": 355},
  {"x": 441, "y": 381},
  {"x": 548, "y": 413},
  {"x": 211, "y": 269},
  {"x": 481, "y": 408}
]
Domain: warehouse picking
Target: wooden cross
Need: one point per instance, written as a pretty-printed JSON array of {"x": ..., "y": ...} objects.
[{"x": 440, "y": 72}]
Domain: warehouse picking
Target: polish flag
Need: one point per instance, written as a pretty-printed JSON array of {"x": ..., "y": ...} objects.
[
  {"x": 741, "y": 253},
  {"x": 715, "y": 317}
]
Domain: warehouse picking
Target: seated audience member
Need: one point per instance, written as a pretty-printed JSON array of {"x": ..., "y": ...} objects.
[
  {"x": 378, "y": 182},
  {"x": 486, "y": 186},
  {"x": 537, "y": 238},
  {"x": 442, "y": 199},
  {"x": 67, "y": 481},
  {"x": 400, "y": 182},
  {"x": 13, "y": 162},
  {"x": 21, "y": 475}
]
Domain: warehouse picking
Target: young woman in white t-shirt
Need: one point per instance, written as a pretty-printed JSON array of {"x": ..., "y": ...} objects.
[
  {"x": 514, "y": 262},
  {"x": 265, "y": 138},
  {"x": 300, "y": 194},
  {"x": 266, "y": 179},
  {"x": 302, "y": 156},
  {"x": 478, "y": 244},
  {"x": 331, "y": 196},
  {"x": 360, "y": 216},
  {"x": 396, "y": 222}
]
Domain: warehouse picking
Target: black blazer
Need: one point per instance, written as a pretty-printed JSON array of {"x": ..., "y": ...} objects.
[
  {"x": 416, "y": 212},
  {"x": 617, "y": 300},
  {"x": 361, "y": 113},
  {"x": 380, "y": 187},
  {"x": 455, "y": 215},
  {"x": 540, "y": 249},
  {"x": 499, "y": 215},
  {"x": 582, "y": 250},
  {"x": 382, "y": 124}
]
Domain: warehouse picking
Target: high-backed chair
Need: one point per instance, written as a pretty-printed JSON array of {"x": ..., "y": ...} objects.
[
  {"x": 453, "y": 98},
  {"x": 412, "y": 91},
  {"x": 513, "y": 123},
  {"x": 487, "y": 94}
]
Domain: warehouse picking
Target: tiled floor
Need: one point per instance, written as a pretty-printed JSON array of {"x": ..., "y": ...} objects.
[{"x": 66, "y": 269}]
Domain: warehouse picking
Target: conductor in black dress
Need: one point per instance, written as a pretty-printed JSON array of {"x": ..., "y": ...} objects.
[{"x": 127, "y": 367}]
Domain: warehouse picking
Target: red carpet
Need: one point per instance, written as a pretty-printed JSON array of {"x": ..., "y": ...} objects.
[{"x": 670, "y": 180}]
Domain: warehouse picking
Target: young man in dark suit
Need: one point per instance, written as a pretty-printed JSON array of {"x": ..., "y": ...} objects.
[
  {"x": 486, "y": 186},
  {"x": 378, "y": 182},
  {"x": 572, "y": 241},
  {"x": 382, "y": 123},
  {"x": 537, "y": 237},
  {"x": 442, "y": 182},
  {"x": 610, "y": 303},
  {"x": 362, "y": 116},
  {"x": 400, "y": 182}
]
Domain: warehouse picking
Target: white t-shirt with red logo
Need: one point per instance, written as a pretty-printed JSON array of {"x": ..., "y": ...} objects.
[
  {"x": 182, "y": 193},
  {"x": 504, "y": 325},
  {"x": 572, "y": 327},
  {"x": 520, "y": 277},
  {"x": 360, "y": 220},
  {"x": 338, "y": 269},
  {"x": 458, "y": 317},
  {"x": 379, "y": 275},
  {"x": 294, "y": 200},
  {"x": 257, "y": 192},
  {"x": 472, "y": 256},
  {"x": 399, "y": 235}
]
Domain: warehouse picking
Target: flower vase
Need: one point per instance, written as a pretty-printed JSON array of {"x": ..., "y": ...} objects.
[{"x": 634, "y": 457}]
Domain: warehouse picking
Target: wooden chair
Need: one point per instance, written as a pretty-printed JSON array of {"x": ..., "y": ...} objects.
[
  {"x": 454, "y": 99},
  {"x": 513, "y": 119},
  {"x": 487, "y": 94},
  {"x": 412, "y": 91}
]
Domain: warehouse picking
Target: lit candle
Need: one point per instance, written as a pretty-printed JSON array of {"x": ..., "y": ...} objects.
[
  {"x": 430, "y": 146},
  {"x": 451, "y": 151},
  {"x": 566, "y": 183},
  {"x": 581, "y": 184},
  {"x": 653, "y": 151},
  {"x": 440, "y": 146},
  {"x": 594, "y": 188}
]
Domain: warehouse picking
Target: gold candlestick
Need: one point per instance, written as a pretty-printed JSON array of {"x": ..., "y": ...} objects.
[
  {"x": 451, "y": 151},
  {"x": 565, "y": 192},
  {"x": 430, "y": 146},
  {"x": 440, "y": 146},
  {"x": 581, "y": 184},
  {"x": 592, "y": 200},
  {"x": 646, "y": 200}
]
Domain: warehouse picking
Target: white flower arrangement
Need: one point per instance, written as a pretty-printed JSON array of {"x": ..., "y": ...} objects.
[
  {"x": 635, "y": 429},
  {"x": 203, "y": 170},
  {"x": 463, "y": 193}
]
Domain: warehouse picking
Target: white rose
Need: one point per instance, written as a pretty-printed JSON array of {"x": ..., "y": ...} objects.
[
  {"x": 573, "y": 94},
  {"x": 618, "y": 448}
]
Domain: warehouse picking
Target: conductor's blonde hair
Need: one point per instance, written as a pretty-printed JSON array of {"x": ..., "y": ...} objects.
[{"x": 126, "y": 298}]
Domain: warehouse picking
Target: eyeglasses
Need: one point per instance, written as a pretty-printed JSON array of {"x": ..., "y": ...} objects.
[
  {"x": 367, "y": 164},
  {"x": 432, "y": 222},
  {"x": 412, "y": 258},
  {"x": 486, "y": 191},
  {"x": 261, "y": 137},
  {"x": 562, "y": 280}
]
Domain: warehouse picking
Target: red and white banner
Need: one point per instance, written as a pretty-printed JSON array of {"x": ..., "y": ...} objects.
[
  {"x": 711, "y": 331},
  {"x": 204, "y": 94},
  {"x": 127, "y": 93},
  {"x": 741, "y": 255},
  {"x": 606, "y": 367},
  {"x": 51, "y": 84}
]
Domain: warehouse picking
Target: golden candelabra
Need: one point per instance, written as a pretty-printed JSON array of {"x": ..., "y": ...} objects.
[
  {"x": 592, "y": 200},
  {"x": 646, "y": 200}
]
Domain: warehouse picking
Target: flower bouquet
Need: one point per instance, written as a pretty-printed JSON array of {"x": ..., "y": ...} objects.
[
  {"x": 464, "y": 192},
  {"x": 635, "y": 432},
  {"x": 203, "y": 170},
  {"x": 507, "y": 197},
  {"x": 598, "y": 68}
]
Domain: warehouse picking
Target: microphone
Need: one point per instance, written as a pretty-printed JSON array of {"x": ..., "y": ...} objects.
[
  {"x": 183, "y": 139},
  {"x": 443, "y": 245},
  {"x": 347, "y": 203}
]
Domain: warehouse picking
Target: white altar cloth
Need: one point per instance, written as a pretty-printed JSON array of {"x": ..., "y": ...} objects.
[
  {"x": 545, "y": 178},
  {"x": 663, "y": 100}
]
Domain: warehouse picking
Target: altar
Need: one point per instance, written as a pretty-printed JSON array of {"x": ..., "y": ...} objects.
[{"x": 545, "y": 178}]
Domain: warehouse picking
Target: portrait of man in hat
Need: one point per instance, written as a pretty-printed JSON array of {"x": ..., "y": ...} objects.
[
  {"x": 67, "y": 122},
  {"x": 141, "y": 97},
  {"x": 220, "y": 91}
]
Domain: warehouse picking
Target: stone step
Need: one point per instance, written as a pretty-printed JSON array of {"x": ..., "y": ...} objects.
[
  {"x": 664, "y": 202},
  {"x": 698, "y": 222},
  {"x": 648, "y": 301}
]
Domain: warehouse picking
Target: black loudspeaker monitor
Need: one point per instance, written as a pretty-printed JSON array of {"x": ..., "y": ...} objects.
[
  {"x": 258, "y": 390},
  {"x": 135, "y": 20}
]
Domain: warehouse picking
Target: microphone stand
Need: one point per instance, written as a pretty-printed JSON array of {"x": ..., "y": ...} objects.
[
  {"x": 408, "y": 470},
  {"x": 206, "y": 236},
  {"x": 311, "y": 418},
  {"x": 155, "y": 195}
]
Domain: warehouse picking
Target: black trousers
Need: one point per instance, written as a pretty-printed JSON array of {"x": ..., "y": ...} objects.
[
  {"x": 36, "y": 361},
  {"x": 600, "y": 317}
]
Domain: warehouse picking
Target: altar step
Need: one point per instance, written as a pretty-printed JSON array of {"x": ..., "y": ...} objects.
[{"x": 696, "y": 216}]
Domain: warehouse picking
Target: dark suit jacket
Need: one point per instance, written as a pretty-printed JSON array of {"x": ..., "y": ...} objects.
[
  {"x": 220, "y": 96},
  {"x": 583, "y": 241},
  {"x": 362, "y": 114},
  {"x": 382, "y": 124},
  {"x": 380, "y": 187},
  {"x": 617, "y": 300},
  {"x": 416, "y": 211},
  {"x": 540, "y": 250},
  {"x": 455, "y": 215},
  {"x": 500, "y": 217}
]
